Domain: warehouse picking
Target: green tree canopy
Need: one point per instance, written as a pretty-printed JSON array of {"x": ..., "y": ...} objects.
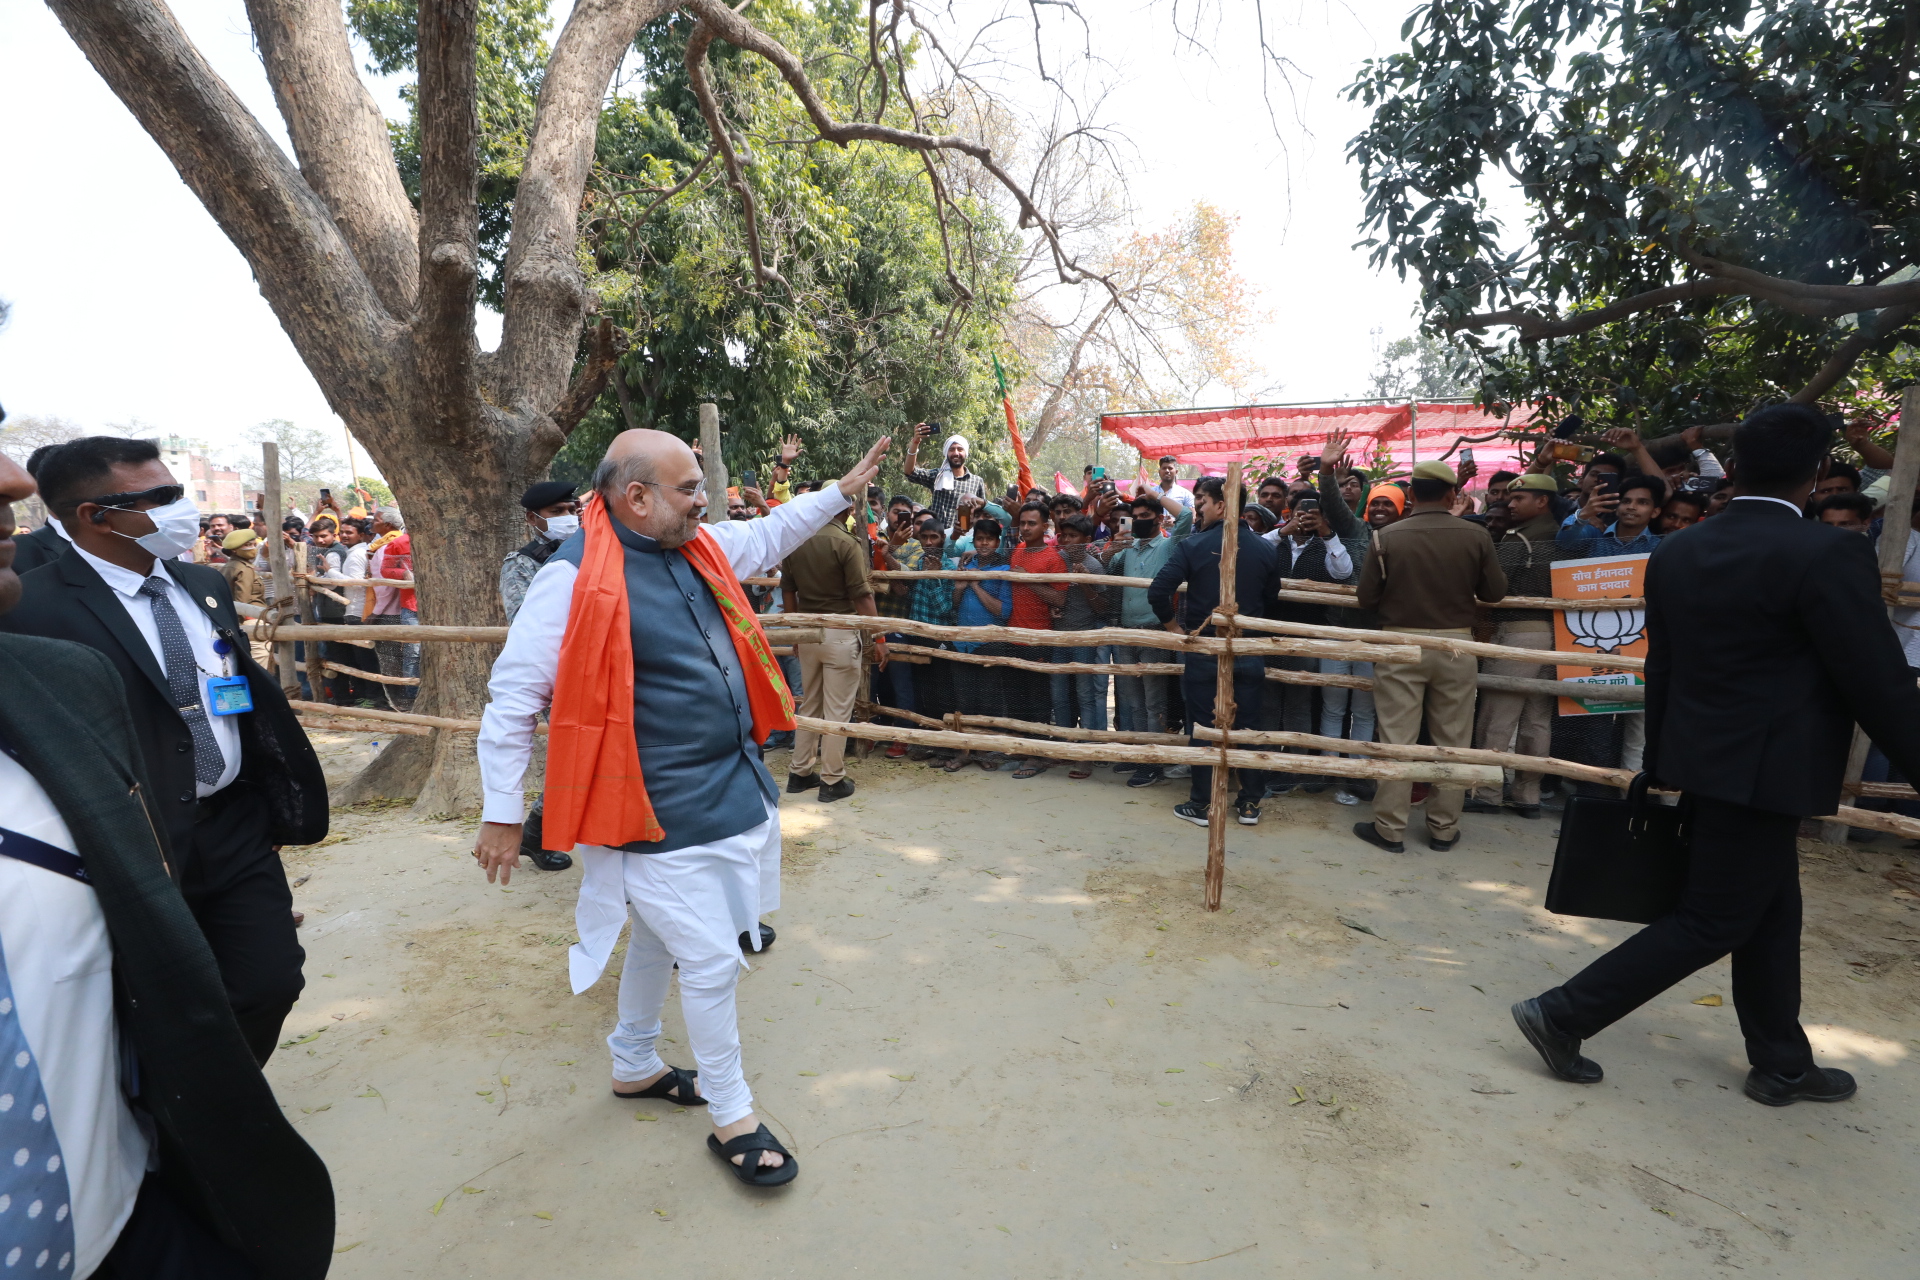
[
  {"x": 1720, "y": 196},
  {"x": 882, "y": 315}
]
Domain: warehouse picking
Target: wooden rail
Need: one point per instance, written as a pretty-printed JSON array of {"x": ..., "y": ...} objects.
[
  {"x": 1360, "y": 651},
  {"x": 1448, "y": 644}
]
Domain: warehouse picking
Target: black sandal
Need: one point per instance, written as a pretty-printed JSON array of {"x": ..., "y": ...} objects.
[
  {"x": 752, "y": 1172},
  {"x": 676, "y": 1078}
]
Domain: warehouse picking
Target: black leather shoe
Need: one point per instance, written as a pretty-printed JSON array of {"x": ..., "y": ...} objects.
[
  {"x": 837, "y": 791},
  {"x": 798, "y": 782},
  {"x": 1560, "y": 1051},
  {"x": 1371, "y": 834},
  {"x": 1438, "y": 845},
  {"x": 1476, "y": 805},
  {"x": 767, "y": 935},
  {"x": 1531, "y": 811},
  {"x": 547, "y": 860},
  {"x": 1818, "y": 1084}
]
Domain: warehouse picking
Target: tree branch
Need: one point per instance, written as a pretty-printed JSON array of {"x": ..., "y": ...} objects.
[
  {"x": 340, "y": 139},
  {"x": 1844, "y": 355},
  {"x": 590, "y": 382},
  {"x": 307, "y": 271},
  {"x": 1840, "y": 299},
  {"x": 546, "y": 299},
  {"x": 730, "y": 26},
  {"x": 1534, "y": 327},
  {"x": 717, "y": 127},
  {"x": 444, "y": 344}
]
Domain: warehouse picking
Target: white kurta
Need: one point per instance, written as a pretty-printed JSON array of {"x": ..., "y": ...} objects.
[{"x": 522, "y": 686}]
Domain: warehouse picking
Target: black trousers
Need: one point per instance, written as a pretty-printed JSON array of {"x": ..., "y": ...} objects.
[
  {"x": 162, "y": 1241},
  {"x": 237, "y": 890},
  {"x": 1198, "y": 685},
  {"x": 1742, "y": 898},
  {"x": 346, "y": 689}
]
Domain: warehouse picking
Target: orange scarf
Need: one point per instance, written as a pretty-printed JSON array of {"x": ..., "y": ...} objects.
[{"x": 595, "y": 791}]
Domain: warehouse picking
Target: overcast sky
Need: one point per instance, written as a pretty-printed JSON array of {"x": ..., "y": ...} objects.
[{"x": 128, "y": 302}]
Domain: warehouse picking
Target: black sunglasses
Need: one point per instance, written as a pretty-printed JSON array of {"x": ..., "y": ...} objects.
[{"x": 160, "y": 495}]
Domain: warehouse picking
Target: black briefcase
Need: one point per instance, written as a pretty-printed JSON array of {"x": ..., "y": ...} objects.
[{"x": 1620, "y": 859}]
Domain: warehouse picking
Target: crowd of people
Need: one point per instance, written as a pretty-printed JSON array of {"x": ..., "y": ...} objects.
[
  {"x": 150, "y": 770},
  {"x": 1320, "y": 523}
]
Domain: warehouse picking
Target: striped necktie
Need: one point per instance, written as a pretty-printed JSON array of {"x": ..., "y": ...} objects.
[{"x": 183, "y": 681}]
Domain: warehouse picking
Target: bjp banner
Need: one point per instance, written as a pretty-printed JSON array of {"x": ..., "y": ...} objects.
[{"x": 1610, "y": 631}]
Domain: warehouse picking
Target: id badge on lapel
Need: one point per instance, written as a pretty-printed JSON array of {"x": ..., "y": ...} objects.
[{"x": 229, "y": 695}]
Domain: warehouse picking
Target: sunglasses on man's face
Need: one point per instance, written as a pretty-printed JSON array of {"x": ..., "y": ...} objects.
[{"x": 159, "y": 496}]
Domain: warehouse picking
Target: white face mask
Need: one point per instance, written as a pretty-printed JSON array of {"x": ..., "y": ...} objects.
[
  {"x": 560, "y": 528},
  {"x": 176, "y": 527}
]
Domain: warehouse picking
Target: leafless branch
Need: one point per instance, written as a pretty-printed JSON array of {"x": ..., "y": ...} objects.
[
  {"x": 731, "y": 27},
  {"x": 1837, "y": 364},
  {"x": 696, "y": 56}
]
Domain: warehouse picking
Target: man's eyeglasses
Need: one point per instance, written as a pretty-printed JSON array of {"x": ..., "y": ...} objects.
[
  {"x": 689, "y": 490},
  {"x": 159, "y": 496}
]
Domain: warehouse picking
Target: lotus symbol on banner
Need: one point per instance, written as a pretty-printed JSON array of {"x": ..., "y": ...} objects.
[{"x": 1607, "y": 630}]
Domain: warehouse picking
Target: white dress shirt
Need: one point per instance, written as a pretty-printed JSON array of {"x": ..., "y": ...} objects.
[
  {"x": 522, "y": 683},
  {"x": 199, "y": 629},
  {"x": 60, "y": 965},
  {"x": 353, "y": 568}
]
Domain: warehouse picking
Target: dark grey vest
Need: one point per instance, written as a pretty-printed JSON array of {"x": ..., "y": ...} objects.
[{"x": 690, "y": 715}]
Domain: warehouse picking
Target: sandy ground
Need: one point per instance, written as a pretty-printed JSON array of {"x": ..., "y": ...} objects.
[{"x": 1005, "y": 1041}]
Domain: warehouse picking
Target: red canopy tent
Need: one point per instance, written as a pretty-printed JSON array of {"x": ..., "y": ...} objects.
[{"x": 1214, "y": 439}]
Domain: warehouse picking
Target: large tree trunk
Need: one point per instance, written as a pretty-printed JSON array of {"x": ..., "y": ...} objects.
[{"x": 463, "y": 513}]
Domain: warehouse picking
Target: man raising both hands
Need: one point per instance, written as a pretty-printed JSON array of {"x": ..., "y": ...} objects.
[{"x": 638, "y": 633}]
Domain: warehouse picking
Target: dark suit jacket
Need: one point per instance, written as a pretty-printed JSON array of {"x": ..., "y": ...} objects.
[
  {"x": 225, "y": 1148},
  {"x": 1196, "y": 562},
  {"x": 32, "y": 550},
  {"x": 68, "y": 600},
  {"x": 1767, "y": 640}
]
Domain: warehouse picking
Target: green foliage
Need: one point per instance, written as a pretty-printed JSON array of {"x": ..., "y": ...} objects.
[
  {"x": 1767, "y": 133},
  {"x": 868, "y": 337}
]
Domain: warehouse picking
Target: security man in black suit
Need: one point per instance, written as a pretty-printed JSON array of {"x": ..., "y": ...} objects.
[
  {"x": 31, "y": 550},
  {"x": 1767, "y": 642},
  {"x": 232, "y": 772},
  {"x": 233, "y": 1191}
]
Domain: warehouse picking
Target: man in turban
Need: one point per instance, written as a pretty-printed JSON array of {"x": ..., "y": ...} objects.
[
  {"x": 954, "y": 487},
  {"x": 661, "y": 684}
]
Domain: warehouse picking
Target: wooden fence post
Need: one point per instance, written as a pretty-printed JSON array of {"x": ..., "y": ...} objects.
[
  {"x": 714, "y": 465},
  {"x": 1224, "y": 708},
  {"x": 1895, "y": 529}
]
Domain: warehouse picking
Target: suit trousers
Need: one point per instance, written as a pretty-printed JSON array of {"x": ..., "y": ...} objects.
[
  {"x": 1439, "y": 689},
  {"x": 1524, "y": 720},
  {"x": 236, "y": 887},
  {"x": 1742, "y": 898},
  {"x": 829, "y": 682},
  {"x": 1199, "y": 685}
]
